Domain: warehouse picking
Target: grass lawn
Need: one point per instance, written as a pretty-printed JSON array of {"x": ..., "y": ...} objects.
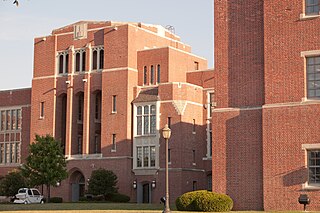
[{"x": 93, "y": 208}]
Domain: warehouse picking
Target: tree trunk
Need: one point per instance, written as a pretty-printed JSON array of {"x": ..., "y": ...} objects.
[{"x": 48, "y": 193}]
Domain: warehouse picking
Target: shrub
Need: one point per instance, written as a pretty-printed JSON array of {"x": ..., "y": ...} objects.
[
  {"x": 119, "y": 198},
  {"x": 102, "y": 182},
  {"x": 11, "y": 183},
  {"x": 56, "y": 200},
  {"x": 203, "y": 200},
  {"x": 213, "y": 202}
]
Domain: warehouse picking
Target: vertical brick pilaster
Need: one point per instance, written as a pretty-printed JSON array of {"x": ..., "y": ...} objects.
[
  {"x": 69, "y": 116},
  {"x": 86, "y": 115}
]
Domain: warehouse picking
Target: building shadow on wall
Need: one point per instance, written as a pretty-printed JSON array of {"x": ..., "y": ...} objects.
[{"x": 296, "y": 177}]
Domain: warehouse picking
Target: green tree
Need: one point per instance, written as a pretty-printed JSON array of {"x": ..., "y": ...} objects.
[
  {"x": 103, "y": 182},
  {"x": 11, "y": 183},
  {"x": 46, "y": 163}
]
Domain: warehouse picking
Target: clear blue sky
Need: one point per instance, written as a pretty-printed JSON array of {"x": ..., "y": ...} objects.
[{"x": 192, "y": 20}]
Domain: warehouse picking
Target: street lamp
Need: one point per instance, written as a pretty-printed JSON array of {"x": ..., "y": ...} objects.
[{"x": 166, "y": 133}]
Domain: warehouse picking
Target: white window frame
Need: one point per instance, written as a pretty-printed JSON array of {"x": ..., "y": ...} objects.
[
  {"x": 149, "y": 148},
  {"x": 148, "y": 115},
  {"x": 81, "y": 51},
  {"x": 304, "y": 15},
  {"x": 98, "y": 49},
  {"x": 307, "y": 148},
  {"x": 65, "y": 64}
]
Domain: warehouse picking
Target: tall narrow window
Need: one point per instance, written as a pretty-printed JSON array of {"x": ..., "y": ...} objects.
[
  {"x": 196, "y": 65},
  {"x": 312, "y": 7},
  {"x": 211, "y": 103},
  {"x": 151, "y": 75},
  {"x": 96, "y": 143},
  {"x": 139, "y": 120},
  {"x": 193, "y": 156},
  {"x": 8, "y": 120},
  {"x": 114, "y": 103},
  {"x": 194, "y": 126},
  {"x": 158, "y": 73},
  {"x": 194, "y": 185},
  {"x": 42, "y": 110},
  {"x": 67, "y": 63},
  {"x": 98, "y": 107},
  {"x": 152, "y": 156},
  {"x": 61, "y": 60},
  {"x": 146, "y": 120},
  {"x": 19, "y": 119},
  {"x": 153, "y": 119},
  {"x": 80, "y": 107},
  {"x": 14, "y": 119},
  {"x": 101, "y": 59},
  {"x": 145, "y": 75},
  {"x": 169, "y": 155},
  {"x": 313, "y": 77},
  {"x": 77, "y": 61},
  {"x": 83, "y": 61},
  {"x": 114, "y": 142},
  {"x": 139, "y": 156},
  {"x": 79, "y": 144},
  {"x": 169, "y": 122},
  {"x": 3, "y": 120},
  {"x": 94, "y": 60},
  {"x": 146, "y": 156}
]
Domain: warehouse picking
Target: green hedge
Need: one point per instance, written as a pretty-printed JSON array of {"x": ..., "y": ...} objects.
[
  {"x": 203, "y": 200},
  {"x": 119, "y": 198}
]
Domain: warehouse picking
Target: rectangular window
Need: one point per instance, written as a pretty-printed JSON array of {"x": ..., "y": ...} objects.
[
  {"x": 194, "y": 185},
  {"x": 139, "y": 156},
  {"x": 158, "y": 73},
  {"x": 146, "y": 156},
  {"x": 312, "y": 7},
  {"x": 146, "y": 120},
  {"x": 152, "y": 156},
  {"x": 211, "y": 103},
  {"x": 14, "y": 119},
  {"x": 3, "y": 120},
  {"x": 313, "y": 77},
  {"x": 8, "y": 120},
  {"x": 314, "y": 167},
  {"x": 193, "y": 156},
  {"x": 80, "y": 107},
  {"x": 145, "y": 75},
  {"x": 114, "y": 142},
  {"x": 97, "y": 139},
  {"x": 80, "y": 144},
  {"x": 194, "y": 126},
  {"x": 114, "y": 103},
  {"x": 19, "y": 118},
  {"x": 196, "y": 65},
  {"x": 169, "y": 122},
  {"x": 63, "y": 60},
  {"x": 80, "y": 61},
  {"x": 2, "y": 161},
  {"x": 169, "y": 155},
  {"x": 42, "y": 110},
  {"x": 152, "y": 75}
]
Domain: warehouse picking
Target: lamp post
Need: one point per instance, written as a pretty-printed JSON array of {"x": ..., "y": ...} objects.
[{"x": 166, "y": 133}]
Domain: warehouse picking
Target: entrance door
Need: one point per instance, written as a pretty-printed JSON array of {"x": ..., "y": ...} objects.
[
  {"x": 75, "y": 192},
  {"x": 145, "y": 194}
]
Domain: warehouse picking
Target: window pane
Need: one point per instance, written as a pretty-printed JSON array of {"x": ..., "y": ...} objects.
[
  {"x": 94, "y": 60},
  {"x": 60, "y": 64},
  {"x": 152, "y": 75},
  {"x": 145, "y": 75},
  {"x": 139, "y": 156},
  {"x": 3, "y": 120},
  {"x": 158, "y": 73},
  {"x": 145, "y": 125},
  {"x": 19, "y": 119},
  {"x": 152, "y": 156},
  {"x": 153, "y": 124},
  {"x": 101, "y": 59},
  {"x": 13, "y": 119},
  {"x": 8, "y": 125},
  {"x": 83, "y": 61},
  {"x": 146, "y": 156},
  {"x": 77, "y": 62},
  {"x": 67, "y": 63},
  {"x": 139, "y": 125},
  {"x": 153, "y": 109},
  {"x": 146, "y": 110},
  {"x": 139, "y": 110}
]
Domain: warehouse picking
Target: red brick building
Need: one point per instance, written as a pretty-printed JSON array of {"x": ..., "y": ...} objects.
[
  {"x": 106, "y": 89},
  {"x": 15, "y": 108},
  {"x": 266, "y": 146}
]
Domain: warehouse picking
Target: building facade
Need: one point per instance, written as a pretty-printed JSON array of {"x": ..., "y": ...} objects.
[
  {"x": 106, "y": 89},
  {"x": 265, "y": 142},
  {"x": 15, "y": 108}
]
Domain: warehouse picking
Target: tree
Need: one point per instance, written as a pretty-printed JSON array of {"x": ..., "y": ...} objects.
[
  {"x": 46, "y": 163},
  {"x": 11, "y": 183},
  {"x": 103, "y": 182}
]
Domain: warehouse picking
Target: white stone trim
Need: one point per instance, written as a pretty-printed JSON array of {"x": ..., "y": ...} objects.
[
  {"x": 236, "y": 109},
  {"x": 303, "y": 16},
  {"x": 181, "y": 83},
  {"x": 120, "y": 69},
  {"x": 310, "y": 53}
]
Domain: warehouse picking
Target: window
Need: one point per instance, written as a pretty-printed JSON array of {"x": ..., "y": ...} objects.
[
  {"x": 151, "y": 75},
  {"x": 114, "y": 103},
  {"x": 194, "y": 126},
  {"x": 314, "y": 167},
  {"x": 14, "y": 119},
  {"x": 97, "y": 58},
  {"x": 313, "y": 77},
  {"x": 97, "y": 139},
  {"x": 63, "y": 60},
  {"x": 9, "y": 153},
  {"x": 80, "y": 107},
  {"x": 210, "y": 102},
  {"x": 169, "y": 122},
  {"x": 80, "y": 60},
  {"x": 3, "y": 120},
  {"x": 209, "y": 182},
  {"x": 146, "y": 156},
  {"x": 19, "y": 119},
  {"x": 196, "y": 65},
  {"x": 8, "y": 120},
  {"x": 312, "y": 7},
  {"x": 145, "y": 75},
  {"x": 158, "y": 73},
  {"x": 146, "y": 120},
  {"x": 169, "y": 155},
  {"x": 193, "y": 157},
  {"x": 98, "y": 107},
  {"x": 194, "y": 185},
  {"x": 79, "y": 144},
  {"x": 114, "y": 142},
  {"x": 42, "y": 110}
]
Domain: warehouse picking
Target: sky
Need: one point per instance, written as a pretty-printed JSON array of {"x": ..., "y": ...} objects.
[{"x": 192, "y": 21}]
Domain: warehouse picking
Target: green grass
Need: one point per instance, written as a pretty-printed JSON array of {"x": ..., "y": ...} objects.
[{"x": 94, "y": 208}]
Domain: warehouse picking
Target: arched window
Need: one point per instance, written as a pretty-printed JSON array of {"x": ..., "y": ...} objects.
[
  {"x": 61, "y": 64},
  {"x": 67, "y": 63},
  {"x": 152, "y": 75},
  {"x": 77, "y": 62},
  {"x": 101, "y": 60},
  {"x": 94, "y": 60},
  {"x": 145, "y": 75},
  {"x": 83, "y": 61}
]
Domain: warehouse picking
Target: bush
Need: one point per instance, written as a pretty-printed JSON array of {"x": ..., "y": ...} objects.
[
  {"x": 11, "y": 183},
  {"x": 203, "y": 200},
  {"x": 119, "y": 198},
  {"x": 56, "y": 200}
]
